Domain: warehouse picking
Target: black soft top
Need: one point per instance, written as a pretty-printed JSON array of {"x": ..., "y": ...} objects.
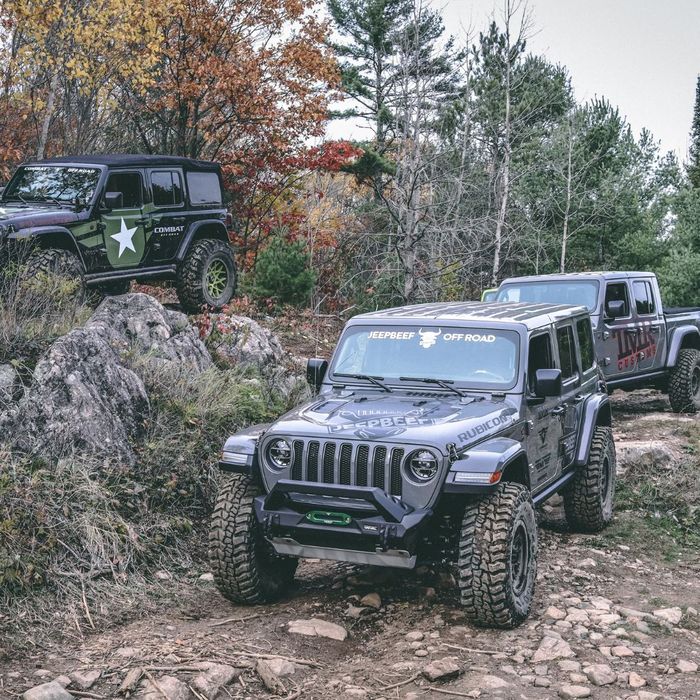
[{"x": 116, "y": 160}]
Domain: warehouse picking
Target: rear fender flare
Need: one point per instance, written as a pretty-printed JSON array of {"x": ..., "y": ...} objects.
[
  {"x": 676, "y": 344},
  {"x": 218, "y": 231},
  {"x": 596, "y": 412}
]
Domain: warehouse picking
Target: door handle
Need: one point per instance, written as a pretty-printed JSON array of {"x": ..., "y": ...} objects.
[
  {"x": 559, "y": 411},
  {"x": 578, "y": 398},
  {"x": 140, "y": 222}
]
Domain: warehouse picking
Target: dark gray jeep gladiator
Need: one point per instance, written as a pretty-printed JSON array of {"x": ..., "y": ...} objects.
[
  {"x": 638, "y": 342},
  {"x": 435, "y": 432},
  {"x": 107, "y": 220}
]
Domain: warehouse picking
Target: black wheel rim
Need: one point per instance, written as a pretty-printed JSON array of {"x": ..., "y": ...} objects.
[
  {"x": 520, "y": 560},
  {"x": 695, "y": 381}
]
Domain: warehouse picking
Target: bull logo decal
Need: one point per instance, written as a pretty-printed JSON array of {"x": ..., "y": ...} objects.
[{"x": 428, "y": 338}]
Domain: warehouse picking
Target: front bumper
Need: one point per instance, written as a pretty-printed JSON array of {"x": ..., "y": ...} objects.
[{"x": 363, "y": 524}]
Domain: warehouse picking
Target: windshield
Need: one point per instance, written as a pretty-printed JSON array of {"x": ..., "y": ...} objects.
[
  {"x": 577, "y": 293},
  {"x": 470, "y": 357},
  {"x": 63, "y": 184}
]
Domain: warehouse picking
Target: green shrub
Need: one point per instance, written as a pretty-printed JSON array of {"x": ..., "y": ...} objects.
[{"x": 282, "y": 273}]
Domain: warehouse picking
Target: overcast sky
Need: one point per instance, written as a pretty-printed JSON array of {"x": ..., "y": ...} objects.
[{"x": 643, "y": 55}]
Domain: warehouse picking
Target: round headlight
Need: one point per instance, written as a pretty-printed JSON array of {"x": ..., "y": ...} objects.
[
  {"x": 279, "y": 453},
  {"x": 422, "y": 465}
]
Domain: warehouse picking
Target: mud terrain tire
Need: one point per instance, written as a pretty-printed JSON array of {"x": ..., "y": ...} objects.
[
  {"x": 684, "y": 383},
  {"x": 497, "y": 564},
  {"x": 589, "y": 498},
  {"x": 57, "y": 262},
  {"x": 246, "y": 568},
  {"x": 207, "y": 276}
]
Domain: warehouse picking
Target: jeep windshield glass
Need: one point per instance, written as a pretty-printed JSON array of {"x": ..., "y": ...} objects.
[
  {"x": 55, "y": 184},
  {"x": 468, "y": 357},
  {"x": 577, "y": 293}
]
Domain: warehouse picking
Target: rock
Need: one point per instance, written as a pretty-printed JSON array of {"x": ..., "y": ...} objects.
[
  {"x": 414, "y": 636},
  {"x": 686, "y": 666},
  {"x": 318, "y": 628},
  {"x": 47, "y": 691},
  {"x": 281, "y": 667},
  {"x": 269, "y": 678},
  {"x": 356, "y": 613},
  {"x": 81, "y": 397},
  {"x": 646, "y": 695},
  {"x": 84, "y": 680},
  {"x": 126, "y": 652},
  {"x": 634, "y": 680},
  {"x": 241, "y": 341},
  {"x": 551, "y": 649},
  {"x": 692, "y": 612},
  {"x": 588, "y": 563},
  {"x": 141, "y": 324},
  {"x": 633, "y": 614},
  {"x": 206, "y": 578},
  {"x": 671, "y": 615},
  {"x": 554, "y": 613},
  {"x": 216, "y": 677},
  {"x": 574, "y": 691},
  {"x": 64, "y": 680},
  {"x": 600, "y": 674},
  {"x": 351, "y": 691},
  {"x": 569, "y": 666},
  {"x": 371, "y": 600},
  {"x": 647, "y": 453},
  {"x": 542, "y": 682},
  {"x": 621, "y": 651},
  {"x": 443, "y": 669},
  {"x": 163, "y": 575},
  {"x": 491, "y": 682},
  {"x": 9, "y": 380},
  {"x": 420, "y": 653},
  {"x": 169, "y": 686}
]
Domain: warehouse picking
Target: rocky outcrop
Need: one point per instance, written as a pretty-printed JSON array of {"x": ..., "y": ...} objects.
[{"x": 85, "y": 395}]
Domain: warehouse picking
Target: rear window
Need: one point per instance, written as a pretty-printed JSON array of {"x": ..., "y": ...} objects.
[{"x": 204, "y": 188}]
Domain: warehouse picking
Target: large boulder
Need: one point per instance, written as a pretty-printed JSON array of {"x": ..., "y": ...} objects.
[
  {"x": 140, "y": 325},
  {"x": 85, "y": 394}
]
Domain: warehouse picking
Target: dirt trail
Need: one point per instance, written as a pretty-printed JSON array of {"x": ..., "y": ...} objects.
[{"x": 588, "y": 590}]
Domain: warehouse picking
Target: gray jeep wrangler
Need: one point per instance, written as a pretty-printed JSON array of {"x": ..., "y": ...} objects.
[{"x": 436, "y": 431}]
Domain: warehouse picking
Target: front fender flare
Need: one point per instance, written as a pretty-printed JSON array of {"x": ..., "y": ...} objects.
[
  {"x": 41, "y": 231},
  {"x": 480, "y": 469},
  {"x": 677, "y": 338},
  {"x": 596, "y": 411}
]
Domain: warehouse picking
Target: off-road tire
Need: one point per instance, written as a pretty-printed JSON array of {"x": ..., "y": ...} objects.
[
  {"x": 496, "y": 584},
  {"x": 193, "y": 288},
  {"x": 246, "y": 568},
  {"x": 55, "y": 262},
  {"x": 684, "y": 383},
  {"x": 589, "y": 498}
]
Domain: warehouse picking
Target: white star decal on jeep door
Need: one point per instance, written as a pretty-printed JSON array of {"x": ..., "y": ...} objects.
[{"x": 125, "y": 238}]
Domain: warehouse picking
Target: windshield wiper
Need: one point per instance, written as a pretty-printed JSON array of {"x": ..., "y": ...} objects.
[
  {"x": 367, "y": 378},
  {"x": 444, "y": 383}
]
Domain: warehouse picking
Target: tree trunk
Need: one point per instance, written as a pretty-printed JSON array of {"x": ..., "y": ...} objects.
[
  {"x": 567, "y": 210},
  {"x": 48, "y": 113}
]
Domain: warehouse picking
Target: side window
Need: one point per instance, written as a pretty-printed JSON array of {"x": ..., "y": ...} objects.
[
  {"x": 167, "y": 188},
  {"x": 567, "y": 352},
  {"x": 644, "y": 298},
  {"x": 585, "y": 342},
  {"x": 539, "y": 357},
  {"x": 129, "y": 184},
  {"x": 617, "y": 291},
  {"x": 204, "y": 188}
]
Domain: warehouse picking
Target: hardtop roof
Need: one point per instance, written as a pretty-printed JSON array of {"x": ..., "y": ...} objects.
[
  {"x": 529, "y": 314},
  {"x": 114, "y": 160},
  {"x": 565, "y": 276}
]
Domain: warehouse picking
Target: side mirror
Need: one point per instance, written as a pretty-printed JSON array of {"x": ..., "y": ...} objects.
[
  {"x": 114, "y": 200},
  {"x": 547, "y": 383},
  {"x": 615, "y": 309},
  {"x": 315, "y": 372}
]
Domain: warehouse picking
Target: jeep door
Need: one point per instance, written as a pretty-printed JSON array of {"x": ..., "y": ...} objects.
[
  {"x": 166, "y": 213},
  {"x": 546, "y": 430},
  {"x": 613, "y": 334},
  {"x": 124, "y": 227},
  {"x": 650, "y": 337}
]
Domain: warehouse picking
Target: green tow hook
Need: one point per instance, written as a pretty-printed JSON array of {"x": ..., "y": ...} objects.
[{"x": 326, "y": 517}]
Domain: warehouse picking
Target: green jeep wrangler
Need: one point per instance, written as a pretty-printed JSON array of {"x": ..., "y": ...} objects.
[{"x": 106, "y": 220}]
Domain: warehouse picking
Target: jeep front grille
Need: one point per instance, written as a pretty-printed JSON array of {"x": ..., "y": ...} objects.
[{"x": 331, "y": 462}]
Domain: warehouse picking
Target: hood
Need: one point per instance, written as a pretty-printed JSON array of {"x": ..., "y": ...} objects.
[
  {"x": 27, "y": 216},
  {"x": 436, "y": 419}
]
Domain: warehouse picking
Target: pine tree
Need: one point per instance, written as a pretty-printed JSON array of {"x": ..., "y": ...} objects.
[{"x": 693, "y": 166}]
